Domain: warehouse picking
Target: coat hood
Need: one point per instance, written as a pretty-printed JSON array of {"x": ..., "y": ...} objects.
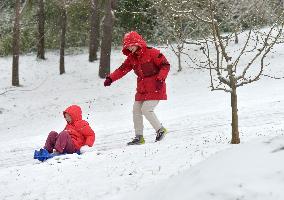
[
  {"x": 75, "y": 112},
  {"x": 133, "y": 38}
]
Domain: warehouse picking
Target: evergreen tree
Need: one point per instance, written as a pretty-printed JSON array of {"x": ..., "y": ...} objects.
[{"x": 136, "y": 15}]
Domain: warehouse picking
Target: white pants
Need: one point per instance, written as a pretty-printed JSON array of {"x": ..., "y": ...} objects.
[{"x": 145, "y": 108}]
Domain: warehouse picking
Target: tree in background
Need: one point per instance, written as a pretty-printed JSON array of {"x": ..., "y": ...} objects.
[
  {"x": 41, "y": 36},
  {"x": 63, "y": 25},
  {"x": 226, "y": 66},
  {"x": 63, "y": 5},
  {"x": 19, "y": 11},
  {"x": 136, "y": 15},
  {"x": 108, "y": 22},
  {"x": 235, "y": 16},
  {"x": 95, "y": 30},
  {"x": 176, "y": 26},
  {"x": 16, "y": 45}
]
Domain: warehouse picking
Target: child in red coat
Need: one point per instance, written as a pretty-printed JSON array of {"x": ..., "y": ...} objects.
[
  {"x": 76, "y": 135},
  {"x": 151, "y": 68}
]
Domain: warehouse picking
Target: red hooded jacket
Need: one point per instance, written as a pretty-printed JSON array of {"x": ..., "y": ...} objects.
[
  {"x": 79, "y": 130},
  {"x": 150, "y": 66}
]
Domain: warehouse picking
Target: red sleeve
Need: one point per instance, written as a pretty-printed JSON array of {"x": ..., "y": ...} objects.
[
  {"x": 68, "y": 128},
  {"x": 161, "y": 61},
  {"x": 88, "y": 133},
  {"x": 121, "y": 71}
]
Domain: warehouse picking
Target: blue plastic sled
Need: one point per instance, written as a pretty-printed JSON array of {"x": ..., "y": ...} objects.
[{"x": 43, "y": 155}]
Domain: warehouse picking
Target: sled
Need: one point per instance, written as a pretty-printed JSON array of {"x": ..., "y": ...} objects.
[{"x": 43, "y": 155}]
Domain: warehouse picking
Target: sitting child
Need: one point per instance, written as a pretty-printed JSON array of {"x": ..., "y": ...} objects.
[{"x": 77, "y": 134}]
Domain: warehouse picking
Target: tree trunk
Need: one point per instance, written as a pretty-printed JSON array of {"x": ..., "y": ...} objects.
[
  {"x": 236, "y": 38},
  {"x": 179, "y": 57},
  {"x": 95, "y": 31},
  {"x": 106, "y": 41},
  {"x": 179, "y": 62},
  {"x": 41, "y": 21},
  {"x": 234, "y": 106},
  {"x": 63, "y": 22},
  {"x": 16, "y": 45}
]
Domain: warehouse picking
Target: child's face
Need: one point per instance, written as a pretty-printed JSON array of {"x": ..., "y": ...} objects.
[
  {"x": 133, "y": 48},
  {"x": 67, "y": 117}
]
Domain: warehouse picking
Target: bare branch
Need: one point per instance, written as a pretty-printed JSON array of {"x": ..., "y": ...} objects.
[
  {"x": 199, "y": 18},
  {"x": 258, "y": 54},
  {"x": 243, "y": 50},
  {"x": 257, "y": 77},
  {"x": 223, "y": 89},
  {"x": 273, "y": 77}
]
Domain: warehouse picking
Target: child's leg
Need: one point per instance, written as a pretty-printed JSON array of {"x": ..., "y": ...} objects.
[
  {"x": 138, "y": 118},
  {"x": 50, "y": 141},
  {"x": 148, "y": 111},
  {"x": 64, "y": 143}
]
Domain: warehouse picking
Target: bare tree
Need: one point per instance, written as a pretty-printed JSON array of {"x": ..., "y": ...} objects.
[
  {"x": 95, "y": 30},
  {"x": 63, "y": 6},
  {"x": 235, "y": 15},
  {"x": 228, "y": 70},
  {"x": 176, "y": 25},
  {"x": 41, "y": 22},
  {"x": 63, "y": 25},
  {"x": 108, "y": 22},
  {"x": 16, "y": 45},
  {"x": 19, "y": 10}
]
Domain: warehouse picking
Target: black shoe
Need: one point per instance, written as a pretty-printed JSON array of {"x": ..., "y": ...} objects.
[
  {"x": 139, "y": 139},
  {"x": 161, "y": 134}
]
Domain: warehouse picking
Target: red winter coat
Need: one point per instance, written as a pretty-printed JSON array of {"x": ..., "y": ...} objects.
[
  {"x": 79, "y": 130},
  {"x": 150, "y": 66}
]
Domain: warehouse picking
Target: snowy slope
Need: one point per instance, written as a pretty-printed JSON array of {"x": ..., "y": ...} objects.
[
  {"x": 254, "y": 170},
  {"x": 198, "y": 121}
]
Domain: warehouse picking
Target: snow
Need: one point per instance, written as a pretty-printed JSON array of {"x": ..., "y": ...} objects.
[
  {"x": 198, "y": 121},
  {"x": 248, "y": 171}
]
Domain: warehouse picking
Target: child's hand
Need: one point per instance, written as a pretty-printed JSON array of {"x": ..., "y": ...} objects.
[
  {"x": 85, "y": 149},
  {"x": 55, "y": 152},
  {"x": 107, "y": 82}
]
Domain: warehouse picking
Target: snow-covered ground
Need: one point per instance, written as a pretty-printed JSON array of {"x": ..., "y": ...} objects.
[
  {"x": 198, "y": 121},
  {"x": 249, "y": 171}
]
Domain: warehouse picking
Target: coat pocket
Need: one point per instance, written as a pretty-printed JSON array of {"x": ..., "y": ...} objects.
[{"x": 149, "y": 69}]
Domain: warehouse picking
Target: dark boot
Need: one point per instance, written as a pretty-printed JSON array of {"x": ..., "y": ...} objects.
[
  {"x": 139, "y": 139},
  {"x": 161, "y": 134}
]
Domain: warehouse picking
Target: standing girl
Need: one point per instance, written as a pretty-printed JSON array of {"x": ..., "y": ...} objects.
[{"x": 151, "y": 68}]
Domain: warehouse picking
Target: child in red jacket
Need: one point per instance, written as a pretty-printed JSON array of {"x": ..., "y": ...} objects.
[
  {"x": 76, "y": 135},
  {"x": 151, "y": 68}
]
